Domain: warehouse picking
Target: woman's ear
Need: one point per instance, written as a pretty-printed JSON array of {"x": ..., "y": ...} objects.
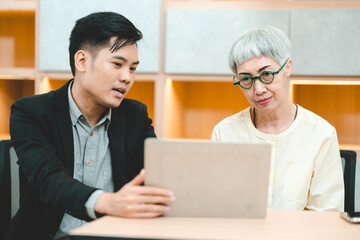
[
  {"x": 81, "y": 60},
  {"x": 288, "y": 67}
]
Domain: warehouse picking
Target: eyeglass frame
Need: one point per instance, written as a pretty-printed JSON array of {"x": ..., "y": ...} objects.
[{"x": 258, "y": 77}]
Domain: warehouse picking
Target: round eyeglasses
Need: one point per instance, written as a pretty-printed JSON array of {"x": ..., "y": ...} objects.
[{"x": 266, "y": 77}]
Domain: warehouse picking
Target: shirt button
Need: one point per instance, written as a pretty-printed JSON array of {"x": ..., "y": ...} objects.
[
  {"x": 89, "y": 163},
  {"x": 91, "y": 134}
]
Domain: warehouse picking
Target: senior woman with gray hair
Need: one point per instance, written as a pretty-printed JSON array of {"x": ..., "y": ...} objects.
[{"x": 306, "y": 171}]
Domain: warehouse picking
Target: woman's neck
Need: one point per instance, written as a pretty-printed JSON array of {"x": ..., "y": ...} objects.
[{"x": 274, "y": 122}]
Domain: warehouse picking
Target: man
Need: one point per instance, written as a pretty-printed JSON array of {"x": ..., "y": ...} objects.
[{"x": 80, "y": 148}]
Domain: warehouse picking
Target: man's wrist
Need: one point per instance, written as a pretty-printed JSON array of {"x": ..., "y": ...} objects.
[{"x": 90, "y": 204}]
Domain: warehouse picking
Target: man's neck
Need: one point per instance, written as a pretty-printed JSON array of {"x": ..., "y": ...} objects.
[{"x": 87, "y": 106}]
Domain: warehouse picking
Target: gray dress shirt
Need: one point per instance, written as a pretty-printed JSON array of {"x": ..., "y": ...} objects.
[{"x": 92, "y": 160}]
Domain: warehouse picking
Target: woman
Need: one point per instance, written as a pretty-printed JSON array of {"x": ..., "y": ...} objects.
[{"x": 306, "y": 171}]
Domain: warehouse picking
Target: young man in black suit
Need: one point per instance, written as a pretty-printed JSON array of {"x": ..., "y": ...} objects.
[{"x": 80, "y": 148}]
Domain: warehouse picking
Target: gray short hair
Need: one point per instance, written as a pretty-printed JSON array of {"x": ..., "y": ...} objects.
[{"x": 259, "y": 42}]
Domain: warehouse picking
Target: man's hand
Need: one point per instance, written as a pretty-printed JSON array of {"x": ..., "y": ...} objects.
[{"x": 135, "y": 201}]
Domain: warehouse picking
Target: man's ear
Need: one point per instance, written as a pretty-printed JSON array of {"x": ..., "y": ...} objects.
[
  {"x": 82, "y": 60},
  {"x": 288, "y": 68}
]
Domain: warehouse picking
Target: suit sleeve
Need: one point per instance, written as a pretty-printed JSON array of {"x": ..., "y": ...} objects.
[
  {"x": 40, "y": 162},
  {"x": 148, "y": 129}
]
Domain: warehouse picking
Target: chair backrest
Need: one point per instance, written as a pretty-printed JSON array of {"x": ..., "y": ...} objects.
[
  {"x": 5, "y": 187},
  {"x": 349, "y": 167},
  {"x": 15, "y": 182},
  {"x": 9, "y": 185}
]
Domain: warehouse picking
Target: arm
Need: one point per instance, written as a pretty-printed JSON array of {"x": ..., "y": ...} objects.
[
  {"x": 134, "y": 200},
  {"x": 215, "y": 134},
  {"x": 327, "y": 186},
  {"x": 34, "y": 136}
]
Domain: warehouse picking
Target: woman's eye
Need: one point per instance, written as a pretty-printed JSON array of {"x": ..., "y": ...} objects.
[
  {"x": 117, "y": 64},
  {"x": 133, "y": 69},
  {"x": 265, "y": 74},
  {"x": 245, "y": 79}
]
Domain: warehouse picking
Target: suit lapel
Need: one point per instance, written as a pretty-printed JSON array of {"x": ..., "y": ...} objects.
[
  {"x": 116, "y": 135},
  {"x": 63, "y": 123}
]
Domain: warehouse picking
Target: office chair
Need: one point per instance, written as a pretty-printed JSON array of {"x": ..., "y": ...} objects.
[
  {"x": 9, "y": 185},
  {"x": 5, "y": 187},
  {"x": 348, "y": 159}
]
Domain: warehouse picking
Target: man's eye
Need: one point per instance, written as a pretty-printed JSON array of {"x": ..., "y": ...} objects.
[
  {"x": 244, "y": 79},
  {"x": 133, "y": 69},
  {"x": 117, "y": 64},
  {"x": 265, "y": 74}
]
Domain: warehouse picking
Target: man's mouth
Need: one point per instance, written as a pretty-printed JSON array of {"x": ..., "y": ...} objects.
[{"x": 118, "y": 90}]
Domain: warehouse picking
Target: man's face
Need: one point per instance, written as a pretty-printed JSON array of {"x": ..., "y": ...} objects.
[{"x": 109, "y": 76}]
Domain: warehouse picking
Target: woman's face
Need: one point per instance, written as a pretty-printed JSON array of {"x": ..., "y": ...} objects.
[{"x": 266, "y": 97}]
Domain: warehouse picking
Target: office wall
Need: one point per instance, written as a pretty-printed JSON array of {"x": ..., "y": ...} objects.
[
  {"x": 57, "y": 18},
  {"x": 324, "y": 42}
]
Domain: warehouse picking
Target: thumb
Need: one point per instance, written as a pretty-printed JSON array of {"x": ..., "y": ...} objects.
[{"x": 138, "y": 179}]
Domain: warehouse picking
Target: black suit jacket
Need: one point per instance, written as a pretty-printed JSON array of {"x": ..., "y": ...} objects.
[{"x": 41, "y": 134}]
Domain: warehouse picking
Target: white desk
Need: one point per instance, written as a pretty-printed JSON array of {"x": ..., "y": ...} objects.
[{"x": 279, "y": 224}]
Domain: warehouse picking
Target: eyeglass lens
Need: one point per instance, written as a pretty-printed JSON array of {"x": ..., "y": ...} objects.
[{"x": 265, "y": 76}]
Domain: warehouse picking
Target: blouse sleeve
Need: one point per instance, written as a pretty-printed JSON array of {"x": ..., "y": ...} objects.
[
  {"x": 215, "y": 134},
  {"x": 326, "y": 191}
]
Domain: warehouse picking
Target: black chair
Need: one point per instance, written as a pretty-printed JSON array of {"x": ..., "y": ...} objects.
[
  {"x": 5, "y": 187},
  {"x": 349, "y": 167}
]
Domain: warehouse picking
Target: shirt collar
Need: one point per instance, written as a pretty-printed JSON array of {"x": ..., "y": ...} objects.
[{"x": 75, "y": 113}]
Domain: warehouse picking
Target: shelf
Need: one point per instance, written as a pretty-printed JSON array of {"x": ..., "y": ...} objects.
[
  {"x": 4, "y": 137},
  {"x": 144, "y": 91},
  {"x": 18, "y": 5},
  {"x": 192, "y": 109},
  {"x": 10, "y": 91},
  {"x": 17, "y": 40},
  {"x": 338, "y": 104},
  {"x": 17, "y": 73}
]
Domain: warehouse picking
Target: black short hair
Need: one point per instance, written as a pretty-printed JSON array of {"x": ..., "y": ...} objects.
[{"x": 95, "y": 30}]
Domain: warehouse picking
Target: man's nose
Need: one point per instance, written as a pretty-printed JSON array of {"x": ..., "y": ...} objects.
[{"x": 125, "y": 76}]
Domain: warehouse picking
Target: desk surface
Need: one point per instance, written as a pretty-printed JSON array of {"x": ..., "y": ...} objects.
[{"x": 279, "y": 224}]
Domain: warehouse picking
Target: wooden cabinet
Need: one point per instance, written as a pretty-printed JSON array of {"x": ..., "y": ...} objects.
[
  {"x": 182, "y": 105},
  {"x": 17, "y": 56}
]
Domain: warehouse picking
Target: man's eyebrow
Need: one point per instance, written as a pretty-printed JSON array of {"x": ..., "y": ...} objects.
[
  {"x": 260, "y": 70},
  {"x": 125, "y": 60}
]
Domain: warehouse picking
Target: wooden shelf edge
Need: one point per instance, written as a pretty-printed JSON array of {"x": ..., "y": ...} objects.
[
  {"x": 56, "y": 75},
  {"x": 353, "y": 147},
  {"x": 17, "y": 73},
  {"x": 200, "y": 78},
  {"x": 4, "y": 137},
  {"x": 67, "y": 76},
  {"x": 18, "y": 6},
  {"x": 325, "y": 81},
  {"x": 265, "y": 4}
]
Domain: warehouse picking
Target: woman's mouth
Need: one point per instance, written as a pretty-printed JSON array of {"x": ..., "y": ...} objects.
[{"x": 264, "y": 101}]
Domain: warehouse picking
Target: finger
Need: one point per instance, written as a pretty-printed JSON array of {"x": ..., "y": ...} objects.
[
  {"x": 149, "y": 208},
  {"x": 142, "y": 210},
  {"x": 145, "y": 215},
  {"x": 138, "y": 179},
  {"x": 155, "y": 199},
  {"x": 153, "y": 191}
]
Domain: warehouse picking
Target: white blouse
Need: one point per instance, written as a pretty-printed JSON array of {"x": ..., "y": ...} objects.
[{"x": 306, "y": 172}]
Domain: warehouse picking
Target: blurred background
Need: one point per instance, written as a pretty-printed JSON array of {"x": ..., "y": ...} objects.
[{"x": 183, "y": 77}]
